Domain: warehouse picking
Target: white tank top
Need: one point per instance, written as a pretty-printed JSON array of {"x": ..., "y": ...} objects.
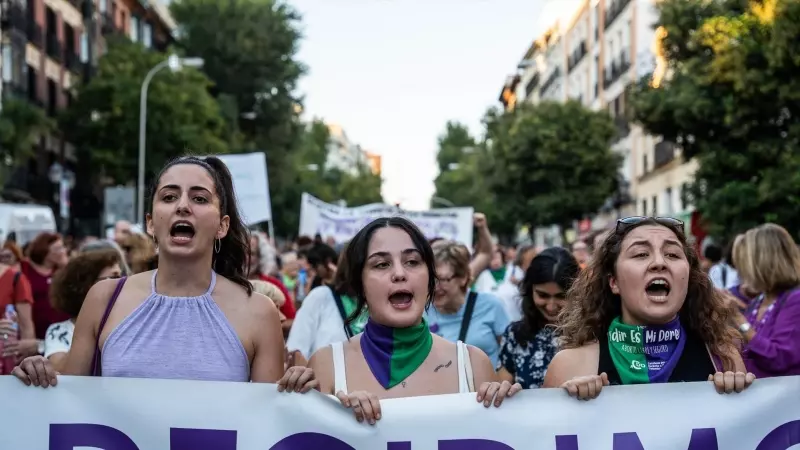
[{"x": 465, "y": 382}]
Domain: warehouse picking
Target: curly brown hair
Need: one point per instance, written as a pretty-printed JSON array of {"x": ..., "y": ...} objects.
[
  {"x": 72, "y": 283},
  {"x": 591, "y": 304}
]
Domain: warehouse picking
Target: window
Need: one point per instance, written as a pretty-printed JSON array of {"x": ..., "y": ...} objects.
[
  {"x": 644, "y": 164},
  {"x": 685, "y": 197},
  {"x": 52, "y": 100},
  {"x": 668, "y": 201},
  {"x": 33, "y": 89},
  {"x": 147, "y": 35},
  {"x": 645, "y": 212},
  {"x": 655, "y": 205},
  {"x": 84, "y": 48},
  {"x": 134, "y": 31},
  {"x": 7, "y": 64}
]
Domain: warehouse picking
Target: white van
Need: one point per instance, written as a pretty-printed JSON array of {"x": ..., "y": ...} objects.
[{"x": 25, "y": 221}]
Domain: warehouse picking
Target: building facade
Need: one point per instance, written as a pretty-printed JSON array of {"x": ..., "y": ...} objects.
[
  {"x": 374, "y": 162},
  {"x": 343, "y": 154},
  {"x": 49, "y": 45},
  {"x": 592, "y": 56}
]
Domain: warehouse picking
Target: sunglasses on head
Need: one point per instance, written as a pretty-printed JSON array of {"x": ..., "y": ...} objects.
[{"x": 623, "y": 225}]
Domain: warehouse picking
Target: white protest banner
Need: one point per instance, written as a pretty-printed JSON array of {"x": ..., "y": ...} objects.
[
  {"x": 250, "y": 182},
  {"x": 139, "y": 414},
  {"x": 343, "y": 223}
]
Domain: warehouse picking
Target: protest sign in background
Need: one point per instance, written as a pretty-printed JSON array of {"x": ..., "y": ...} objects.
[
  {"x": 342, "y": 223},
  {"x": 137, "y": 414},
  {"x": 251, "y": 185}
]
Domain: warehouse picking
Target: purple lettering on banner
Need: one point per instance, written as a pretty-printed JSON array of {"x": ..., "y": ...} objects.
[
  {"x": 303, "y": 441},
  {"x": 200, "y": 439},
  {"x": 67, "y": 436},
  {"x": 702, "y": 439},
  {"x": 398, "y": 446},
  {"x": 472, "y": 444},
  {"x": 567, "y": 442},
  {"x": 781, "y": 438}
]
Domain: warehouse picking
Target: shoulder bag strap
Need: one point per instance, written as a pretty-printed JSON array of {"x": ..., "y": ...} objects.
[
  {"x": 96, "y": 368},
  {"x": 340, "y": 306},
  {"x": 471, "y": 298}
]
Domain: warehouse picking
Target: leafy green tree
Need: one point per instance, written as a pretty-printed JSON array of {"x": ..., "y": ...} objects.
[
  {"x": 552, "y": 162},
  {"x": 21, "y": 124},
  {"x": 312, "y": 175},
  {"x": 103, "y": 121},
  {"x": 463, "y": 178},
  {"x": 249, "y": 48},
  {"x": 731, "y": 99}
]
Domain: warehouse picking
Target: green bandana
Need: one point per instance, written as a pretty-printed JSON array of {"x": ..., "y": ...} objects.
[
  {"x": 357, "y": 325},
  {"x": 393, "y": 354},
  {"x": 499, "y": 274},
  {"x": 645, "y": 354}
]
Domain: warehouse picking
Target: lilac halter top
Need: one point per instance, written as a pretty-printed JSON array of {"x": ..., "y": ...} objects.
[{"x": 187, "y": 338}]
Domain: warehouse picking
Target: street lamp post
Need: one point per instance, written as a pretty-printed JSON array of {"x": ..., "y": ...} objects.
[{"x": 175, "y": 63}]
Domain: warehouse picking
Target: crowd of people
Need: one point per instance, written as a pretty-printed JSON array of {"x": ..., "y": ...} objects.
[{"x": 393, "y": 314}]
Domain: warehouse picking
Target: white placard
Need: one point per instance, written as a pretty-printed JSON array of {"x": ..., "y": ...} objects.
[
  {"x": 138, "y": 414},
  {"x": 343, "y": 223},
  {"x": 251, "y": 184}
]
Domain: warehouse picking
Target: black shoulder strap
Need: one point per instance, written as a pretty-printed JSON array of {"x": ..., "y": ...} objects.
[
  {"x": 16, "y": 279},
  {"x": 724, "y": 276},
  {"x": 340, "y": 306},
  {"x": 471, "y": 298}
]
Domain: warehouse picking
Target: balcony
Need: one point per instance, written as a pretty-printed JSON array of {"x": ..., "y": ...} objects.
[
  {"x": 577, "y": 55},
  {"x": 72, "y": 61},
  {"x": 623, "y": 128},
  {"x": 53, "y": 47},
  {"x": 550, "y": 80},
  {"x": 14, "y": 18},
  {"x": 619, "y": 67},
  {"x": 614, "y": 10},
  {"x": 34, "y": 33},
  {"x": 664, "y": 153},
  {"x": 109, "y": 26},
  {"x": 15, "y": 90},
  {"x": 532, "y": 85}
]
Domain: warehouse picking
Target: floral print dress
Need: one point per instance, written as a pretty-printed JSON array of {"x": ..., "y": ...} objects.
[{"x": 528, "y": 363}]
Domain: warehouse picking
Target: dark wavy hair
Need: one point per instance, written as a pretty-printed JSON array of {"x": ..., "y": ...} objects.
[
  {"x": 231, "y": 260},
  {"x": 73, "y": 281},
  {"x": 355, "y": 257},
  {"x": 552, "y": 265},
  {"x": 591, "y": 305}
]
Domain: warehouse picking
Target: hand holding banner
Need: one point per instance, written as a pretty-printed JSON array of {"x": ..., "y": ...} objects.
[{"x": 137, "y": 414}]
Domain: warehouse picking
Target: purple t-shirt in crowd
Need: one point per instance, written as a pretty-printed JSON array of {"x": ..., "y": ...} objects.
[{"x": 775, "y": 348}]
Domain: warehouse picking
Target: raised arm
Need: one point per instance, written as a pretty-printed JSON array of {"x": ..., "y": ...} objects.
[{"x": 483, "y": 248}]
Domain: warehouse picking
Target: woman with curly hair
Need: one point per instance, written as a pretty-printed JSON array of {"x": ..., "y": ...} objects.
[
  {"x": 643, "y": 311},
  {"x": 528, "y": 345},
  {"x": 69, "y": 288}
]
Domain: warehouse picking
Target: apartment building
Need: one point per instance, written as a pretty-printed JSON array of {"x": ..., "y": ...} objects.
[
  {"x": 592, "y": 55},
  {"x": 375, "y": 162},
  {"x": 343, "y": 154},
  {"x": 47, "y": 46}
]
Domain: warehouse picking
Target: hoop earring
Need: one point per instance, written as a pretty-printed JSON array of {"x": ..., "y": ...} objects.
[{"x": 217, "y": 245}]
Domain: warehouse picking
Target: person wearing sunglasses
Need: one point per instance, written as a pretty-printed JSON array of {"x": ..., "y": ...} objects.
[
  {"x": 643, "y": 311},
  {"x": 69, "y": 288}
]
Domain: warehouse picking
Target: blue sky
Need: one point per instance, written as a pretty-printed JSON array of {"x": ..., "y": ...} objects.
[{"x": 393, "y": 72}]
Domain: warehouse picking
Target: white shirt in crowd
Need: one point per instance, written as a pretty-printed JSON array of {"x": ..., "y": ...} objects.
[
  {"x": 723, "y": 276},
  {"x": 317, "y": 324},
  {"x": 505, "y": 290},
  {"x": 58, "y": 338}
]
